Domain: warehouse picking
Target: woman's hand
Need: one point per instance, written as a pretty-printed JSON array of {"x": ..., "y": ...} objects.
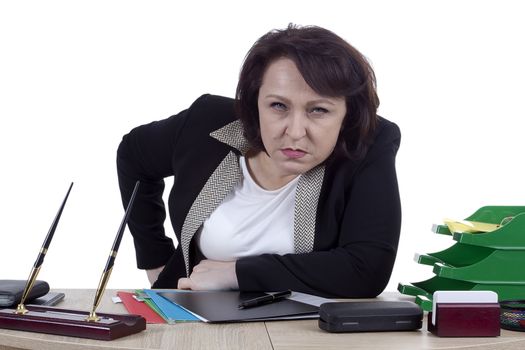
[{"x": 211, "y": 275}]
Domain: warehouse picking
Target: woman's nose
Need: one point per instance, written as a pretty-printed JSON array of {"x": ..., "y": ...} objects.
[{"x": 296, "y": 125}]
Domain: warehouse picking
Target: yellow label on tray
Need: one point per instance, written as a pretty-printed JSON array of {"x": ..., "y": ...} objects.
[{"x": 465, "y": 226}]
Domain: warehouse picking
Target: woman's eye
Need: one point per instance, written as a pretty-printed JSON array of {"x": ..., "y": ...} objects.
[
  {"x": 319, "y": 110},
  {"x": 278, "y": 106}
]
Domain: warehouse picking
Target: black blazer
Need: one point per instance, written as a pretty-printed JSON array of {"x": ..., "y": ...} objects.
[{"x": 347, "y": 213}]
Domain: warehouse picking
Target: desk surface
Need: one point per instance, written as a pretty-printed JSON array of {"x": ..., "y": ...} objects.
[{"x": 277, "y": 335}]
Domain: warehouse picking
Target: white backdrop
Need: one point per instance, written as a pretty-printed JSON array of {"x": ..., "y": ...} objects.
[{"x": 75, "y": 76}]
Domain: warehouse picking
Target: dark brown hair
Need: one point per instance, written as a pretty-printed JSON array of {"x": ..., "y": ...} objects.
[{"x": 330, "y": 66}]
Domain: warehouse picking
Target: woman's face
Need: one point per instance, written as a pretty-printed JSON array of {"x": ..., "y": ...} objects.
[{"x": 299, "y": 127}]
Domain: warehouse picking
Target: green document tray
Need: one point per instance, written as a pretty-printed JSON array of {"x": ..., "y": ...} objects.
[
  {"x": 510, "y": 236},
  {"x": 457, "y": 255},
  {"x": 477, "y": 261},
  {"x": 491, "y": 214},
  {"x": 424, "y": 290},
  {"x": 500, "y": 267}
]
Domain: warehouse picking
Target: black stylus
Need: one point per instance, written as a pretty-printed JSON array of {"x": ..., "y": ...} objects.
[{"x": 265, "y": 299}]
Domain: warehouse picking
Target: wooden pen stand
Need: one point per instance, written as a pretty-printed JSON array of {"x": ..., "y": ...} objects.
[{"x": 50, "y": 320}]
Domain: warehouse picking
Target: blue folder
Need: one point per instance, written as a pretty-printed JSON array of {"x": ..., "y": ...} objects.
[{"x": 172, "y": 311}]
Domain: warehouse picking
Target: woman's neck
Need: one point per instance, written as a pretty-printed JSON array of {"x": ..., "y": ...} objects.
[{"x": 264, "y": 172}]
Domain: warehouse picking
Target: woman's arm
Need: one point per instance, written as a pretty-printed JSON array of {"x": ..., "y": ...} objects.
[{"x": 145, "y": 154}]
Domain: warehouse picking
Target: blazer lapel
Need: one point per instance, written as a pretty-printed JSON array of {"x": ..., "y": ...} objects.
[
  {"x": 305, "y": 212},
  {"x": 219, "y": 184}
]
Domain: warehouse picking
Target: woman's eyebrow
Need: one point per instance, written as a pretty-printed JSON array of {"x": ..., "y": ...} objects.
[
  {"x": 277, "y": 97},
  {"x": 320, "y": 100}
]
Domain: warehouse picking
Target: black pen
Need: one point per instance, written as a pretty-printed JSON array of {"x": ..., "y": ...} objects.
[
  {"x": 21, "y": 309},
  {"x": 111, "y": 258},
  {"x": 268, "y": 298}
]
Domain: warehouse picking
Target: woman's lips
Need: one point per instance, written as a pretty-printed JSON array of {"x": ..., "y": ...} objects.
[{"x": 293, "y": 153}]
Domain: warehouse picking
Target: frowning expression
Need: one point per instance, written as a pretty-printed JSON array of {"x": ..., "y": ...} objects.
[{"x": 299, "y": 127}]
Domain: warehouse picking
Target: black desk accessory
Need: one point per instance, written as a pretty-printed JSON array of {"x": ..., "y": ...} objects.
[
  {"x": 370, "y": 316},
  {"x": 11, "y": 291},
  {"x": 74, "y": 323},
  {"x": 50, "y": 299}
]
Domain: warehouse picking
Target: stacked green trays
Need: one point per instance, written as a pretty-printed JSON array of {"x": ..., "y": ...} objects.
[{"x": 478, "y": 261}]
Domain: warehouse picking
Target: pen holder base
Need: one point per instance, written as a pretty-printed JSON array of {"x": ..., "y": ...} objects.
[{"x": 71, "y": 323}]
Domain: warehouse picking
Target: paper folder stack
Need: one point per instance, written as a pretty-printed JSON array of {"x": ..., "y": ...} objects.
[
  {"x": 491, "y": 260},
  {"x": 154, "y": 308}
]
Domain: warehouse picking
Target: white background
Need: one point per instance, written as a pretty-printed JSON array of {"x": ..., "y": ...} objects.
[{"x": 75, "y": 76}]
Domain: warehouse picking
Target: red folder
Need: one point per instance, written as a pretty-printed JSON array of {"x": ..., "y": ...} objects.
[{"x": 140, "y": 308}]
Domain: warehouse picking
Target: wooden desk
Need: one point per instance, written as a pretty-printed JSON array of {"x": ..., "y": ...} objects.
[{"x": 277, "y": 335}]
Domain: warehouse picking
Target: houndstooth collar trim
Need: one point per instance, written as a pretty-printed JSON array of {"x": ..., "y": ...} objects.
[
  {"x": 219, "y": 184},
  {"x": 232, "y": 134}
]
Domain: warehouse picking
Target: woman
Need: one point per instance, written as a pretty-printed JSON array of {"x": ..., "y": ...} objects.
[{"x": 292, "y": 185}]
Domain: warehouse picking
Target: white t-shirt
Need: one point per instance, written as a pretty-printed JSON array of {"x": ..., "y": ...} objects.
[{"x": 250, "y": 221}]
